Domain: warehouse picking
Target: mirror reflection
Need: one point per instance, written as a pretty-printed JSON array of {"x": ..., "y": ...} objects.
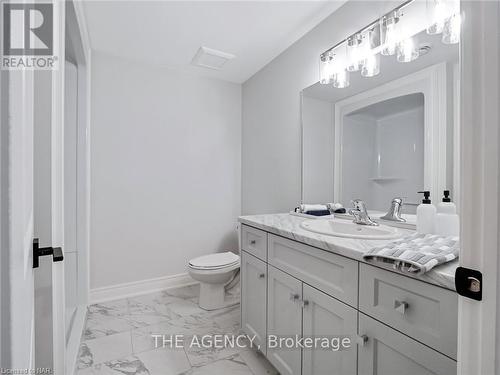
[{"x": 387, "y": 136}]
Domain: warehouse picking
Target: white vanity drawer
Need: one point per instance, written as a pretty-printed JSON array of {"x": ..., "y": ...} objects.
[
  {"x": 254, "y": 241},
  {"x": 333, "y": 274},
  {"x": 425, "y": 312}
]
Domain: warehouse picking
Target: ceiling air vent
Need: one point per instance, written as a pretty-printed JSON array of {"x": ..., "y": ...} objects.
[{"x": 211, "y": 58}]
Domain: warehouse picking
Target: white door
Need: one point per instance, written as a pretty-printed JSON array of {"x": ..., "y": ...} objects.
[
  {"x": 21, "y": 201},
  {"x": 17, "y": 219}
]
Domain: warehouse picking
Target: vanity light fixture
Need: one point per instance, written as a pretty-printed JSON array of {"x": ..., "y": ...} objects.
[
  {"x": 451, "y": 30},
  {"x": 325, "y": 68},
  {"x": 341, "y": 79},
  {"x": 407, "y": 50},
  {"x": 354, "y": 55},
  {"x": 371, "y": 66},
  {"x": 437, "y": 11},
  {"x": 388, "y": 32},
  {"x": 388, "y": 36}
]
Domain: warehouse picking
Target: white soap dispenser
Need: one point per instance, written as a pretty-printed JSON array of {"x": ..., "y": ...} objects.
[
  {"x": 426, "y": 215},
  {"x": 447, "y": 221}
]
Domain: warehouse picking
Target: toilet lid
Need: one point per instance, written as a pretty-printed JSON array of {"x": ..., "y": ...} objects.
[{"x": 213, "y": 261}]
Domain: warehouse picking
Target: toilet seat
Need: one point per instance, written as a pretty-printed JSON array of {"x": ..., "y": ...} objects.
[{"x": 215, "y": 261}]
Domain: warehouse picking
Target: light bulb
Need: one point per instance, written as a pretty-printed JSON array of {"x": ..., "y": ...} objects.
[
  {"x": 325, "y": 75},
  {"x": 371, "y": 66},
  {"x": 407, "y": 50},
  {"x": 341, "y": 79},
  {"x": 388, "y": 33},
  {"x": 354, "y": 53},
  {"x": 451, "y": 31},
  {"x": 438, "y": 17}
]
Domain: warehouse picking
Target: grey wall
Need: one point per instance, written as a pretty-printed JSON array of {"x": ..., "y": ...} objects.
[
  {"x": 166, "y": 170},
  {"x": 271, "y": 110},
  {"x": 318, "y": 144}
]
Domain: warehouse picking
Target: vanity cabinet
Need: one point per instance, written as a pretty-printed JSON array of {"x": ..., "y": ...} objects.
[
  {"x": 324, "y": 316},
  {"x": 419, "y": 310},
  {"x": 284, "y": 319},
  {"x": 254, "y": 299},
  {"x": 397, "y": 324},
  {"x": 331, "y": 273},
  {"x": 254, "y": 241},
  {"x": 389, "y": 352},
  {"x": 296, "y": 309}
]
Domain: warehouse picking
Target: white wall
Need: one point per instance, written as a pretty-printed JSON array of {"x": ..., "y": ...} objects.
[
  {"x": 374, "y": 149},
  {"x": 359, "y": 155},
  {"x": 166, "y": 170},
  {"x": 271, "y": 110},
  {"x": 400, "y": 142},
  {"x": 318, "y": 145}
]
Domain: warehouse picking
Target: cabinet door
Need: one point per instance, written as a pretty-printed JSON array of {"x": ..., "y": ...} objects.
[
  {"x": 327, "y": 317},
  {"x": 254, "y": 298},
  {"x": 284, "y": 320},
  {"x": 389, "y": 352}
]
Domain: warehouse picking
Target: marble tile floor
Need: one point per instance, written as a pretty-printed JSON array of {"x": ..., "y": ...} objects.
[{"x": 117, "y": 337}]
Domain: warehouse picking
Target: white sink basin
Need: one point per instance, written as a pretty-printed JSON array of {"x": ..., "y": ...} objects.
[{"x": 350, "y": 230}]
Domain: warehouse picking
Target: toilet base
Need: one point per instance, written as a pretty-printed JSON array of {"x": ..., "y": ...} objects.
[{"x": 211, "y": 296}]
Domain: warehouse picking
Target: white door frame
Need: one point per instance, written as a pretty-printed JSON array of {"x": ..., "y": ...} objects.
[
  {"x": 57, "y": 193},
  {"x": 431, "y": 82},
  {"x": 77, "y": 31},
  {"x": 478, "y": 322}
]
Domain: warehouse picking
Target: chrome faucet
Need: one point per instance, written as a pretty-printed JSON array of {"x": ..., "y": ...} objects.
[
  {"x": 360, "y": 213},
  {"x": 394, "y": 213}
]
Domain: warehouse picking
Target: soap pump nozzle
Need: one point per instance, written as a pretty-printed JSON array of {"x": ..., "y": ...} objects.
[
  {"x": 427, "y": 195},
  {"x": 446, "y": 197}
]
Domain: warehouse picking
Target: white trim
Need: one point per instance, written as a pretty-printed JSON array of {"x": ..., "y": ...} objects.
[
  {"x": 77, "y": 29},
  {"x": 478, "y": 322},
  {"x": 431, "y": 82},
  {"x": 135, "y": 288},
  {"x": 456, "y": 135},
  {"x": 57, "y": 194},
  {"x": 73, "y": 345}
]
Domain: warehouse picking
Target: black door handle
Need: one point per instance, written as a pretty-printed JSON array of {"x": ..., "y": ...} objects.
[{"x": 56, "y": 252}]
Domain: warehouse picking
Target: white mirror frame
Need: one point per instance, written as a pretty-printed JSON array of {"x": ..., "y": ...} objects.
[{"x": 432, "y": 83}]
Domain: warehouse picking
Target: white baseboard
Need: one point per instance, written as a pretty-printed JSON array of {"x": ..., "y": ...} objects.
[{"x": 135, "y": 288}]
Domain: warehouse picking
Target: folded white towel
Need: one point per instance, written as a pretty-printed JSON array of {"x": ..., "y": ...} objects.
[
  {"x": 313, "y": 207},
  {"x": 416, "y": 254}
]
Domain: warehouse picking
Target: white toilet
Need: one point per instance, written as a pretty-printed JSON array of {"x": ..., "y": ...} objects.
[{"x": 213, "y": 272}]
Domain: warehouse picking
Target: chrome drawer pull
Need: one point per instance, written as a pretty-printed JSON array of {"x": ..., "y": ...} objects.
[
  {"x": 253, "y": 242},
  {"x": 362, "y": 340},
  {"x": 401, "y": 306}
]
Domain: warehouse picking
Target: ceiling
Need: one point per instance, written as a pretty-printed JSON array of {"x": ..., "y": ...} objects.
[{"x": 169, "y": 33}]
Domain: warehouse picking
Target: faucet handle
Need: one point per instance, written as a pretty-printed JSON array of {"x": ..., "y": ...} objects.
[
  {"x": 399, "y": 200},
  {"x": 359, "y": 205},
  {"x": 394, "y": 213}
]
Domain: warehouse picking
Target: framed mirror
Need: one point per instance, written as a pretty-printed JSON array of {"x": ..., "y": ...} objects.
[{"x": 386, "y": 136}]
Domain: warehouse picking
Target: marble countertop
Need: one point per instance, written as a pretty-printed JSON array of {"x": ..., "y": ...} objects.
[{"x": 288, "y": 226}]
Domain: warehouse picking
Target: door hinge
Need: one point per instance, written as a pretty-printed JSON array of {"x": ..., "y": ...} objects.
[
  {"x": 469, "y": 283},
  {"x": 56, "y": 252}
]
